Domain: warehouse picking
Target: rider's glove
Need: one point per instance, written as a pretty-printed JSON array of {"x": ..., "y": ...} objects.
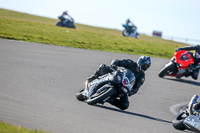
[{"x": 102, "y": 66}]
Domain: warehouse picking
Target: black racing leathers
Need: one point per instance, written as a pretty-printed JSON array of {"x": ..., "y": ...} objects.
[
  {"x": 123, "y": 102},
  {"x": 132, "y": 66}
]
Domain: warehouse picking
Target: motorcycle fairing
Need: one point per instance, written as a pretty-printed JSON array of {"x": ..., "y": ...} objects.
[
  {"x": 90, "y": 88},
  {"x": 192, "y": 122},
  {"x": 128, "y": 79},
  {"x": 183, "y": 59}
]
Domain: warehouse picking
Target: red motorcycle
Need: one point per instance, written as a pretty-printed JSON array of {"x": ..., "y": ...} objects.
[{"x": 180, "y": 65}]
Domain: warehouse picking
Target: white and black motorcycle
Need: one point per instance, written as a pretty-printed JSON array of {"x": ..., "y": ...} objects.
[
  {"x": 107, "y": 87},
  {"x": 189, "y": 118},
  {"x": 69, "y": 24}
]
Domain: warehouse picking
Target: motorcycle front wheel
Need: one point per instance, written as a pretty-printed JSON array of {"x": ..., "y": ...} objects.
[
  {"x": 100, "y": 97},
  {"x": 125, "y": 33},
  {"x": 59, "y": 24},
  {"x": 178, "y": 122},
  {"x": 80, "y": 96},
  {"x": 166, "y": 70}
]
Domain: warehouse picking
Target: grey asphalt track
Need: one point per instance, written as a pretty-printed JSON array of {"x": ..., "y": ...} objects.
[{"x": 38, "y": 83}]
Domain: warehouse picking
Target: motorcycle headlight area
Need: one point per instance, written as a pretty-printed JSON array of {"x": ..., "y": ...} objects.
[
  {"x": 179, "y": 65},
  {"x": 128, "y": 79},
  {"x": 174, "y": 59},
  {"x": 125, "y": 81},
  {"x": 128, "y": 83}
]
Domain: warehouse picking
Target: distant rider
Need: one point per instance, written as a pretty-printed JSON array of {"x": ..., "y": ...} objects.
[
  {"x": 131, "y": 26},
  {"x": 143, "y": 63},
  {"x": 64, "y": 19},
  {"x": 196, "y": 57}
]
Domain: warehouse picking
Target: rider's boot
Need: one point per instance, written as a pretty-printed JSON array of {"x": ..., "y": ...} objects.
[{"x": 195, "y": 74}]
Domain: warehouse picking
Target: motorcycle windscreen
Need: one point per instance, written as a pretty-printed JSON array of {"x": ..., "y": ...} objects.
[
  {"x": 128, "y": 79},
  {"x": 192, "y": 122}
]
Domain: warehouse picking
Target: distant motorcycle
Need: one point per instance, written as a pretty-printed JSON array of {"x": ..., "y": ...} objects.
[
  {"x": 180, "y": 65},
  {"x": 107, "y": 87},
  {"x": 130, "y": 31},
  {"x": 189, "y": 118},
  {"x": 69, "y": 24}
]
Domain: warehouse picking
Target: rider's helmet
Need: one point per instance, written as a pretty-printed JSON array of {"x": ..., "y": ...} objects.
[
  {"x": 144, "y": 62},
  {"x": 65, "y": 12},
  {"x": 197, "y": 52},
  {"x": 128, "y": 21},
  {"x": 197, "y": 107}
]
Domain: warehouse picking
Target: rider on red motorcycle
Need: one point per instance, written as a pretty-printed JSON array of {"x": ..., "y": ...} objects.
[{"x": 196, "y": 57}]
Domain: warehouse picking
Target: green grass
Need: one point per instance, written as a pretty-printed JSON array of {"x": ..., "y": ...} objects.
[
  {"x": 25, "y": 27},
  {"x": 8, "y": 128}
]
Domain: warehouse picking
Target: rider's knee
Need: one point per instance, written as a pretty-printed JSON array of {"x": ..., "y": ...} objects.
[
  {"x": 124, "y": 106},
  {"x": 195, "y": 75}
]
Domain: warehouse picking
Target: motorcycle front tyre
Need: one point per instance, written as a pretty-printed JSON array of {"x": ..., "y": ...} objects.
[
  {"x": 178, "y": 122},
  {"x": 99, "y": 97},
  {"x": 80, "y": 96},
  {"x": 165, "y": 71},
  {"x": 125, "y": 33},
  {"x": 59, "y": 24}
]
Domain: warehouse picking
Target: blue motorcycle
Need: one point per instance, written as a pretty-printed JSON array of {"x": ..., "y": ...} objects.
[{"x": 130, "y": 31}]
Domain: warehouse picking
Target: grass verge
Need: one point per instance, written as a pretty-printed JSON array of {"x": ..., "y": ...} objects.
[
  {"x": 8, "y": 128},
  {"x": 25, "y": 27}
]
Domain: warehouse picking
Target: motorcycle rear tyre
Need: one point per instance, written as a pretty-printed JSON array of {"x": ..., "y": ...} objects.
[
  {"x": 137, "y": 35},
  {"x": 74, "y": 27},
  {"x": 178, "y": 122},
  {"x": 163, "y": 72},
  {"x": 99, "y": 97}
]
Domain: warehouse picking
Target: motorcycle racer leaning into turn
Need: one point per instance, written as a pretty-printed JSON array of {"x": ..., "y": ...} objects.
[
  {"x": 195, "y": 103},
  {"x": 196, "y": 57},
  {"x": 63, "y": 16},
  {"x": 143, "y": 63}
]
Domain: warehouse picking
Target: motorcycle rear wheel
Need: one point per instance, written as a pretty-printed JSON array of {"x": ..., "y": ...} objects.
[
  {"x": 178, "y": 122},
  {"x": 137, "y": 35},
  {"x": 99, "y": 97},
  {"x": 165, "y": 71}
]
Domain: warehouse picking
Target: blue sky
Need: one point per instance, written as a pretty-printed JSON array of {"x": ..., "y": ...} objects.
[{"x": 178, "y": 18}]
